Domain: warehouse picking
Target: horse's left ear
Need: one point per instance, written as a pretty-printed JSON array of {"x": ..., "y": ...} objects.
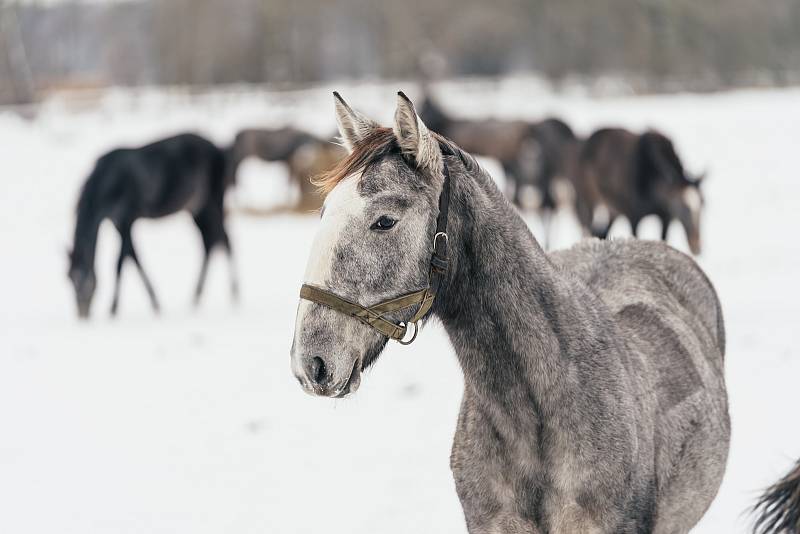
[{"x": 414, "y": 138}]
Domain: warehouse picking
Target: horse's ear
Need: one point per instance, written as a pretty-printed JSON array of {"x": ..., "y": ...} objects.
[
  {"x": 353, "y": 126},
  {"x": 414, "y": 138}
]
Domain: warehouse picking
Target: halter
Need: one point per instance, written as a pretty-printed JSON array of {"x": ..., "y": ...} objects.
[{"x": 374, "y": 315}]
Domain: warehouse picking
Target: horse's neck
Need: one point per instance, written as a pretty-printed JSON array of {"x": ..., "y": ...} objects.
[
  {"x": 85, "y": 240},
  {"x": 505, "y": 306}
]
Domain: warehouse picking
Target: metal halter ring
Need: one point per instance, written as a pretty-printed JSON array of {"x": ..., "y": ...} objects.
[
  {"x": 442, "y": 234},
  {"x": 410, "y": 341}
]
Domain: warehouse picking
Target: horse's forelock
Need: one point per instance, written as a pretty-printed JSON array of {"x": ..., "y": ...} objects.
[
  {"x": 369, "y": 150},
  {"x": 377, "y": 145}
]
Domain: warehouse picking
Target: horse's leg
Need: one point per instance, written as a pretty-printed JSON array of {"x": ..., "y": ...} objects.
[
  {"x": 148, "y": 286},
  {"x": 123, "y": 253},
  {"x": 664, "y": 228},
  {"x": 635, "y": 225},
  {"x": 202, "y": 220},
  {"x": 602, "y": 232},
  {"x": 547, "y": 225},
  {"x": 198, "y": 291},
  {"x": 231, "y": 265},
  {"x": 513, "y": 187}
]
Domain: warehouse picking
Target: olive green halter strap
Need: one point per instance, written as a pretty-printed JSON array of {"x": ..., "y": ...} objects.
[{"x": 374, "y": 316}]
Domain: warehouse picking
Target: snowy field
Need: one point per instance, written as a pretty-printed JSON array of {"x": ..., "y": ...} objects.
[{"x": 191, "y": 422}]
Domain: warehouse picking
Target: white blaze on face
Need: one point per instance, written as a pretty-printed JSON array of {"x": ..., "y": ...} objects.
[
  {"x": 691, "y": 196},
  {"x": 341, "y": 207}
]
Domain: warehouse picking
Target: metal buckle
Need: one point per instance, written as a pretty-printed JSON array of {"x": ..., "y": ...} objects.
[
  {"x": 416, "y": 329},
  {"x": 442, "y": 234}
]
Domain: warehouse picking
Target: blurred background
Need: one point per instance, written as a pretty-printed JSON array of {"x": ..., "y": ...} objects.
[
  {"x": 190, "y": 420},
  {"x": 652, "y": 45}
]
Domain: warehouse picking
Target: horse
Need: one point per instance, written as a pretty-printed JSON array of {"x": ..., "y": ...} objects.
[
  {"x": 304, "y": 154},
  {"x": 184, "y": 172},
  {"x": 622, "y": 173},
  {"x": 533, "y": 154},
  {"x": 593, "y": 402},
  {"x": 778, "y": 509}
]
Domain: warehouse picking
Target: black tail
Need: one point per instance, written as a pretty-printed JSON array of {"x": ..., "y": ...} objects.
[{"x": 778, "y": 509}]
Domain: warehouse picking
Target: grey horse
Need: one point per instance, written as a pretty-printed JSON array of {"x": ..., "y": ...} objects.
[{"x": 594, "y": 394}]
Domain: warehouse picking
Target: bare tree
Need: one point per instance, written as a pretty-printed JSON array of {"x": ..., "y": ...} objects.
[{"x": 14, "y": 59}]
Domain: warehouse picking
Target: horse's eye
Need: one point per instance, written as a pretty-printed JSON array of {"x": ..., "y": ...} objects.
[{"x": 383, "y": 223}]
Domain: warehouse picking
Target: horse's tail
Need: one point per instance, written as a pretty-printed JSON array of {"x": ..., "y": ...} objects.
[{"x": 778, "y": 509}]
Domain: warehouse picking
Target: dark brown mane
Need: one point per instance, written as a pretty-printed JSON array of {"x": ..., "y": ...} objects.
[{"x": 375, "y": 146}]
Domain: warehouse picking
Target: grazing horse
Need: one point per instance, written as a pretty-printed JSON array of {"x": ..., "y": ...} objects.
[
  {"x": 185, "y": 172},
  {"x": 533, "y": 155},
  {"x": 778, "y": 508},
  {"x": 622, "y": 173},
  {"x": 305, "y": 155},
  {"x": 594, "y": 394}
]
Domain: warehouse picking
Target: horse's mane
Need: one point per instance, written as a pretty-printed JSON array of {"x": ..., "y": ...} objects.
[
  {"x": 378, "y": 144},
  {"x": 778, "y": 508},
  {"x": 86, "y": 199}
]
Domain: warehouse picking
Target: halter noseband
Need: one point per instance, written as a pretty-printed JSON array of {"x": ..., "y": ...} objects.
[{"x": 374, "y": 316}]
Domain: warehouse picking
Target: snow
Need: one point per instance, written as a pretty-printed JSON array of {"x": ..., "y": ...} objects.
[{"x": 192, "y": 422}]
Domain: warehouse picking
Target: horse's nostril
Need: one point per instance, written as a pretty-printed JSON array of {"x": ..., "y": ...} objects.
[{"x": 318, "y": 371}]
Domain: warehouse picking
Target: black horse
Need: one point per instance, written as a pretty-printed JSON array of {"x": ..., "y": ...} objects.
[
  {"x": 185, "y": 172},
  {"x": 635, "y": 175}
]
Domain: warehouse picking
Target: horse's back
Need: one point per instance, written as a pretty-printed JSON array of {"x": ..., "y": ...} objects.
[
  {"x": 185, "y": 171},
  {"x": 629, "y": 273},
  {"x": 669, "y": 315}
]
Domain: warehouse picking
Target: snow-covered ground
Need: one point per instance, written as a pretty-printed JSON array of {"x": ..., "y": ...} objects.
[{"x": 192, "y": 422}]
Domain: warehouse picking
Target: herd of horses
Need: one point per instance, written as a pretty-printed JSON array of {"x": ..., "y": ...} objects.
[
  {"x": 593, "y": 402},
  {"x": 612, "y": 173}
]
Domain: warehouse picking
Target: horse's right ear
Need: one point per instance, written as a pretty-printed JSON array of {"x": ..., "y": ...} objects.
[{"x": 353, "y": 126}]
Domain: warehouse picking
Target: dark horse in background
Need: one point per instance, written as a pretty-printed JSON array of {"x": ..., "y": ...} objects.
[
  {"x": 623, "y": 173},
  {"x": 185, "y": 172},
  {"x": 304, "y": 154},
  {"x": 533, "y": 154}
]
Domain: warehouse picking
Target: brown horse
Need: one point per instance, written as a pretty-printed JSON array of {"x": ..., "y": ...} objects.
[
  {"x": 623, "y": 173},
  {"x": 304, "y": 154},
  {"x": 534, "y": 155}
]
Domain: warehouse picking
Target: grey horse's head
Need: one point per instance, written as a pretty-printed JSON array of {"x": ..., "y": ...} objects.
[{"x": 374, "y": 242}]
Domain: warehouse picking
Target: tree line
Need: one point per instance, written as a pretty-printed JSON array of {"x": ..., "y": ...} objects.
[{"x": 658, "y": 44}]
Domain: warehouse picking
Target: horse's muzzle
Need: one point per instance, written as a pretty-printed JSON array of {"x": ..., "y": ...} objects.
[{"x": 317, "y": 378}]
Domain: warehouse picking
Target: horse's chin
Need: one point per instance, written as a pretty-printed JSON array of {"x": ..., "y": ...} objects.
[
  {"x": 353, "y": 382},
  {"x": 359, "y": 366},
  {"x": 372, "y": 354}
]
